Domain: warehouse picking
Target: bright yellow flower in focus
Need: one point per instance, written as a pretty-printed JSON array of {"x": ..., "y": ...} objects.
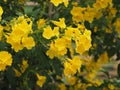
[
  {"x": 57, "y": 2},
  {"x": 5, "y": 60},
  {"x": 41, "y": 80},
  {"x": 48, "y": 32},
  {"x": 60, "y": 23},
  {"x": 1, "y": 31},
  {"x": 40, "y": 23},
  {"x": 1, "y": 12}
]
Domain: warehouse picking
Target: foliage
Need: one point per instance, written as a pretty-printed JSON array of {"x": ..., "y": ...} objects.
[{"x": 59, "y": 44}]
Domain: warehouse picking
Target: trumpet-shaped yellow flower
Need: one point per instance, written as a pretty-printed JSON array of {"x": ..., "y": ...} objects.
[
  {"x": 5, "y": 60},
  {"x": 41, "y": 80},
  {"x": 40, "y": 23},
  {"x": 83, "y": 43},
  {"x": 28, "y": 42},
  {"x": 60, "y": 23},
  {"x": 58, "y": 47},
  {"x": 48, "y": 32},
  {"x": 72, "y": 66}
]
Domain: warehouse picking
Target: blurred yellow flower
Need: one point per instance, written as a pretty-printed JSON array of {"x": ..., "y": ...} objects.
[
  {"x": 40, "y": 23},
  {"x": 111, "y": 87},
  {"x": 1, "y": 31},
  {"x": 1, "y": 12},
  {"x": 72, "y": 66},
  {"x": 22, "y": 67},
  {"x": 62, "y": 86},
  {"x": 5, "y": 60},
  {"x": 41, "y": 80}
]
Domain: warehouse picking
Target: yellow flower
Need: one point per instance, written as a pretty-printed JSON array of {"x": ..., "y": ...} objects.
[
  {"x": 56, "y": 31},
  {"x": 15, "y": 40},
  {"x": 62, "y": 86},
  {"x": 60, "y": 23},
  {"x": 17, "y": 73},
  {"x": 71, "y": 80},
  {"x": 5, "y": 60},
  {"x": 90, "y": 14},
  {"x": 1, "y": 31},
  {"x": 48, "y": 32},
  {"x": 77, "y": 14},
  {"x": 76, "y": 62},
  {"x": 40, "y": 23},
  {"x": 1, "y": 12},
  {"x": 57, "y": 2},
  {"x": 20, "y": 29},
  {"x": 28, "y": 42},
  {"x": 22, "y": 67},
  {"x": 58, "y": 47},
  {"x": 65, "y": 2},
  {"x": 103, "y": 59},
  {"x": 83, "y": 42},
  {"x": 41, "y": 80},
  {"x": 111, "y": 87},
  {"x": 72, "y": 66},
  {"x": 117, "y": 25}
]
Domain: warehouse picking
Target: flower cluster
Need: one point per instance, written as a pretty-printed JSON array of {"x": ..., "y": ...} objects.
[{"x": 22, "y": 38}]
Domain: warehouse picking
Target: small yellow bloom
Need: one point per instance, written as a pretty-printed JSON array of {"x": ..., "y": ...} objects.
[
  {"x": 103, "y": 59},
  {"x": 72, "y": 66},
  {"x": 60, "y": 23},
  {"x": 57, "y": 2},
  {"x": 41, "y": 80},
  {"x": 17, "y": 73},
  {"x": 56, "y": 31},
  {"x": 28, "y": 42},
  {"x": 22, "y": 67},
  {"x": 48, "y": 32},
  {"x": 5, "y": 60},
  {"x": 40, "y": 23},
  {"x": 1, "y": 12}
]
